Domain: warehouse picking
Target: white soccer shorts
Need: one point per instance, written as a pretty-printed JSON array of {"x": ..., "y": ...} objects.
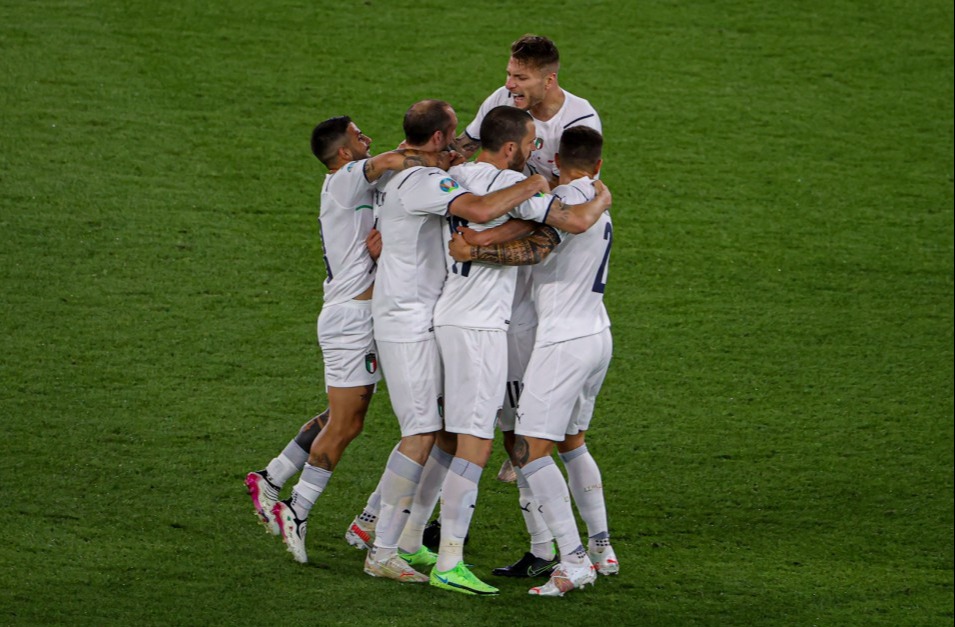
[
  {"x": 346, "y": 336},
  {"x": 474, "y": 375},
  {"x": 520, "y": 344},
  {"x": 413, "y": 376},
  {"x": 560, "y": 386}
]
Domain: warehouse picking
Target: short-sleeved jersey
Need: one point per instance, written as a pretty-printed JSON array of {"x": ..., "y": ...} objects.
[
  {"x": 411, "y": 206},
  {"x": 575, "y": 112},
  {"x": 523, "y": 314},
  {"x": 476, "y": 295},
  {"x": 345, "y": 218},
  {"x": 569, "y": 284}
]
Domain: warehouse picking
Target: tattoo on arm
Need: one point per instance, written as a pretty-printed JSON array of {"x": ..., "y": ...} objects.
[
  {"x": 521, "y": 451},
  {"x": 521, "y": 252}
]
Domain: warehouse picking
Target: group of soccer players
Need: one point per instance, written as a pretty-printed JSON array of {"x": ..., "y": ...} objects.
[{"x": 478, "y": 286}]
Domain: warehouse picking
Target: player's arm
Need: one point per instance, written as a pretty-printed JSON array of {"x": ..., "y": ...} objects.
[
  {"x": 525, "y": 251},
  {"x": 475, "y": 208},
  {"x": 465, "y": 145},
  {"x": 579, "y": 218},
  {"x": 510, "y": 230},
  {"x": 403, "y": 158}
]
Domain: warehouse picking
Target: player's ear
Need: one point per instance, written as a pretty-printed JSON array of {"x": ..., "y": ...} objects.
[
  {"x": 557, "y": 160},
  {"x": 597, "y": 166}
]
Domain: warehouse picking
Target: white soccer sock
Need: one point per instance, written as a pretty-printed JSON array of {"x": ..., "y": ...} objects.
[
  {"x": 398, "y": 485},
  {"x": 551, "y": 492},
  {"x": 425, "y": 499},
  {"x": 309, "y": 487},
  {"x": 288, "y": 462},
  {"x": 586, "y": 486},
  {"x": 459, "y": 496},
  {"x": 542, "y": 540}
]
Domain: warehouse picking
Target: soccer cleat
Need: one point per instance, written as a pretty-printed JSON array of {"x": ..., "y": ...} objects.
[
  {"x": 292, "y": 530},
  {"x": 604, "y": 559},
  {"x": 264, "y": 496},
  {"x": 359, "y": 535},
  {"x": 421, "y": 558},
  {"x": 506, "y": 473},
  {"x": 528, "y": 566},
  {"x": 393, "y": 568},
  {"x": 565, "y": 578},
  {"x": 461, "y": 579}
]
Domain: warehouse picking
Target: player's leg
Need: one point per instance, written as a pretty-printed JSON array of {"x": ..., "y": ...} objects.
[
  {"x": 474, "y": 366},
  {"x": 348, "y": 407},
  {"x": 411, "y": 543},
  {"x": 413, "y": 372},
  {"x": 551, "y": 386},
  {"x": 264, "y": 485},
  {"x": 583, "y": 473}
]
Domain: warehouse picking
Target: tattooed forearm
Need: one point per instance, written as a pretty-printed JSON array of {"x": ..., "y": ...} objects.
[{"x": 522, "y": 252}]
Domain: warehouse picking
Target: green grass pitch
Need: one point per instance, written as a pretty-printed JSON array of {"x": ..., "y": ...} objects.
[{"x": 775, "y": 433}]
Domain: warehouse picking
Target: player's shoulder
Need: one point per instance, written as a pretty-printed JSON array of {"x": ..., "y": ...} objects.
[
  {"x": 500, "y": 96},
  {"x": 577, "y": 191},
  {"x": 579, "y": 111}
]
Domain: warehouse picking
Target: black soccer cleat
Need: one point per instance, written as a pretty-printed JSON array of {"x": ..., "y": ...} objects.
[
  {"x": 431, "y": 537},
  {"x": 528, "y": 567}
]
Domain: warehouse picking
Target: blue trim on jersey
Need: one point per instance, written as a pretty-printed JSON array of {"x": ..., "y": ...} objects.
[
  {"x": 448, "y": 210},
  {"x": 549, "y": 205},
  {"x": 590, "y": 115},
  {"x": 405, "y": 180},
  {"x": 491, "y": 184}
]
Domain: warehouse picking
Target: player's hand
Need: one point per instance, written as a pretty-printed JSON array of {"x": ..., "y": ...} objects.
[
  {"x": 373, "y": 244},
  {"x": 541, "y": 183},
  {"x": 457, "y": 158},
  {"x": 458, "y": 248},
  {"x": 469, "y": 235},
  {"x": 603, "y": 194}
]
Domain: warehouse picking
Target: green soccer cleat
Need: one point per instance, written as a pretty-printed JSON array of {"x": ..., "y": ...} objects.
[
  {"x": 422, "y": 558},
  {"x": 460, "y": 579}
]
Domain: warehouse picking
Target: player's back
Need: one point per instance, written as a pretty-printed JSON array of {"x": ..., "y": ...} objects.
[
  {"x": 569, "y": 284},
  {"x": 411, "y": 269}
]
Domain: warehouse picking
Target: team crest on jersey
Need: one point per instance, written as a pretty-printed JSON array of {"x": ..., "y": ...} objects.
[
  {"x": 371, "y": 363},
  {"x": 448, "y": 185}
]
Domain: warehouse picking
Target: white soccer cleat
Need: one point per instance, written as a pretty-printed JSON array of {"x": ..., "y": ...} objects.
[
  {"x": 264, "y": 496},
  {"x": 565, "y": 578},
  {"x": 360, "y": 535},
  {"x": 507, "y": 473},
  {"x": 393, "y": 568},
  {"x": 604, "y": 559},
  {"x": 292, "y": 530}
]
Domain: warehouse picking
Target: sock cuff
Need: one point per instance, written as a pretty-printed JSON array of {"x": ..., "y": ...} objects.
[
  {"x": 521, "y": 479},
  {"x": 441, "y": 456},
  {"x": 404, "y": 466},
  {"x": 464, "y": 468},
  {"x": 536, "y": 465},
  {"x": 570, "y": 456}
]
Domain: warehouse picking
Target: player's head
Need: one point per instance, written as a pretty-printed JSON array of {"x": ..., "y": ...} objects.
[
  {"x": 510, "y": 132},
  {"x": 532, "y": 70},
  {"x": 431, "y": 122},
  {"x": 339, "y": 140},
  {"x": 581, "y": 149}
]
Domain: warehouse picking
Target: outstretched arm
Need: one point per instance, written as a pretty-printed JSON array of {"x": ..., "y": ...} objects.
[
  {"x": 526, "y": 251},
  {"x": 510, "y": 230},
  {"x": 464, "y": 145},
  {"x": 475, "y": 208},
  {"x": 403, "y": 158},
  {"x": 579, "y": 218}
]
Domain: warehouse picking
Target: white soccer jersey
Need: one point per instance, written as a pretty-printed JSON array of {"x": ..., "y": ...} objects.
[
  {"x": 479, "y": 296},
  {"x": 345, "y": 219},
  {"x": 411, "y": 206},
  {"x": 575, "y": 112},
  {"x": 569, "y": 284}
]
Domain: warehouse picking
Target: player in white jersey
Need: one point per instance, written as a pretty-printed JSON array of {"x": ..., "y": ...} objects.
[
  {"x": 411, "y": 208},
  {"x": 344, "y": 327},
  {"x": 470, "y": 319},
  {"x": 571, "y": 354},
  {"x": 532, "y": 85}
]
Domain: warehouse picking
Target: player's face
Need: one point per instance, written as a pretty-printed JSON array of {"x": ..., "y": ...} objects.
[
  {"x": 358, "y": 142},
  {"x": 528, "y": 145},
  {"x": 526, "y": 84}
]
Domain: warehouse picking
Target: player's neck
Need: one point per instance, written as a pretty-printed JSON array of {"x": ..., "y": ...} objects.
[
  {"x": 569, "y": 176},
  {"x": 548, "y": 107},
  {"x": 492, "y": 158}
]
